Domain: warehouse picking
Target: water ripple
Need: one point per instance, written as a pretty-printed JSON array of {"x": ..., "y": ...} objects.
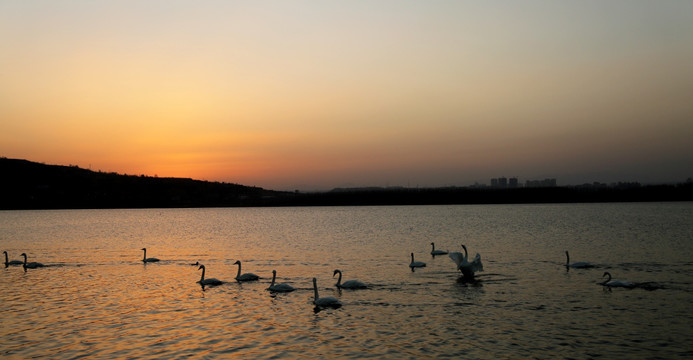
[{"x": 525, "y": 305}]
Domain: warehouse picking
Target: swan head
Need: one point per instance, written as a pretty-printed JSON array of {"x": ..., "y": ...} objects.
[
  {"x": 274, "y": 272},
  {"x": 337, "y": 271},
  {"x": 23, "y": 254},
  {"x": 606, "y": 273},
  {"x": 238, "y": 262},
  {"x": 201, "y": 267},
  {"x": 145, "y": 249},
  {"x": 315, "y": 282}
]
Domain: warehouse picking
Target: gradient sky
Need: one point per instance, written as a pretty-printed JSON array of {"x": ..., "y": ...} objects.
[{"x": 313, "y": 95}]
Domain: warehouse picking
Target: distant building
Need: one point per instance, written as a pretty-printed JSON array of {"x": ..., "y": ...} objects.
[{"x": 502, "y": 183}]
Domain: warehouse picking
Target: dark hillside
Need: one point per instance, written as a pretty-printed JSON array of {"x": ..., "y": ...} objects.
[{"x": 30, "y": 185}]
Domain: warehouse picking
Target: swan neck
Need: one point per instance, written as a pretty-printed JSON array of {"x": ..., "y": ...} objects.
[
  {"x": 239, "y": 270},
  {"x": 567, "y": 258},
  {"x": 144, "y": 257},
  {"x": 315, "y": 289},
  {"x": 274, "y": 276},
  {"x": 339, "y": 278},
  {"x": 202, "y": 278}
]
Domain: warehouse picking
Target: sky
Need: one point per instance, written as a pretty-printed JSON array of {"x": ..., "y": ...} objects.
[{"x": 313, "y": 95}]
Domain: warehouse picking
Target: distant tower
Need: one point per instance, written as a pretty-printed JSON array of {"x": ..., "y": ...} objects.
[{"x": 513, "y": 183}]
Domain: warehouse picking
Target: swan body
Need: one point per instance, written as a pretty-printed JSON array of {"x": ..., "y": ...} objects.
[
  {"x": 349, "y": 284},
  {"x": 467, "y": 268},
  {"x": 415, "y": 264},
  {"x": 279, "y": 287},
  {"x": 31, "y": 265},
  {"x": 13, "y": 262},
  {"x": 211, "y": 281},
  {"x": 616, "y": 283},
  {"x": 145, "y": 259},
  {"x": 435, "y": 252},
  {"x": 577, "y": 265},
  {"x": 328, "y": 301},
  {"x": 246, "y": 276}
]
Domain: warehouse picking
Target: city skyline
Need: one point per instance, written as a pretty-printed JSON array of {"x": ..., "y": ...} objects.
[{"x": 310, "y": 95}]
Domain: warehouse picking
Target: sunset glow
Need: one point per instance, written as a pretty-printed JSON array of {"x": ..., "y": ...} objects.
[{"x": 314, "y": 95}]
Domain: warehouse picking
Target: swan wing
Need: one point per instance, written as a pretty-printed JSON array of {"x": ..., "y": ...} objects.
[
  {"x": 457, "y": 257},
  {"x": 619, "y": 283},
  {"x": 247, "y": 277},
  {"x": 211, "y": 282},
  {"x": 476, "y": 264},
  {"x": 282, "y": 288},
  {"x": 353, "y": 284},
  {"x": 327, "y": 301}
]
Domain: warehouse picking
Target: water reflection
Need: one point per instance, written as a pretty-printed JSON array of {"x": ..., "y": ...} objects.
[
  {"x": 469, "y": 281},
  {"x": 525, "y": 306}
]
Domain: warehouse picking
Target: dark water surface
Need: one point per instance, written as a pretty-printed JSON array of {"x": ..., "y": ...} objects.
[{"x": 97, "y": 299}]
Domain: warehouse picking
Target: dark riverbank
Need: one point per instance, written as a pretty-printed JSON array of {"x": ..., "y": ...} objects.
[{"x": 30, "y": 185}]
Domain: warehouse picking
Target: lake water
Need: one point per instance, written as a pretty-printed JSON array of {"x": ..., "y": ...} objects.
[{"x": 97, "y": 299}]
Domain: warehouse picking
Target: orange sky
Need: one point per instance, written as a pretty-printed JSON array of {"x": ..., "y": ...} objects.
[{"x": 315, "y": 95}]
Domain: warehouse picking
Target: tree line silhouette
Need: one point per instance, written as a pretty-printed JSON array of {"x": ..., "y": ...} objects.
[{"x": 30, "y": 185}]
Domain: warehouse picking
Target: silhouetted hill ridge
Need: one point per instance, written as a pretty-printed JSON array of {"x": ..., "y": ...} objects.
[{"x": 30, "y": 185}]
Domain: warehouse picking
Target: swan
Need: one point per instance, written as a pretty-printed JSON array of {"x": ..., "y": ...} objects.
[
  {"x": 325, "y": 301},
  {"x": 349, "y": 284},
  {"x": 13, "y": 262},
  {"x": 467, "y": 268},
  {"x": 416, "y": 264},
  {"x": 577, "y": 265},
  {"x": 31, "y": 265},
  {"x": 145, "y": 259},
  {"x": 246, "y": 276},
  {"x": 210, "y": 282},
  {"x": 616, "y": 283},
  {"x": 435, "y": 252},
  {"x": 279, "y": 287}
]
